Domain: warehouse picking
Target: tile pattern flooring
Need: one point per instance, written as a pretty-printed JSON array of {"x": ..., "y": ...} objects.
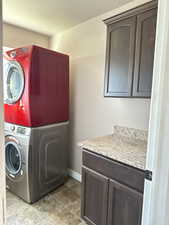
[{"x": 61, "y": 207}]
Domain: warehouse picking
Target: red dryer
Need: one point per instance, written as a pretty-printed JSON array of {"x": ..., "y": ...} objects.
[{"x": 36, "y": 86}]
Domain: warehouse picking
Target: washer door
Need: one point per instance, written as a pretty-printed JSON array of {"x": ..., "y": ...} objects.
[
  {"x": 13, "y": 158},
  {"x": 13, "y": 82}
]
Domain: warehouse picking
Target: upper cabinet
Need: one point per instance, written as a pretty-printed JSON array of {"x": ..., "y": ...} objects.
[
  {"x": 144, "y": 53},
  {"x": 130, "y": 52},
  {"x": 120, "y": 57}
]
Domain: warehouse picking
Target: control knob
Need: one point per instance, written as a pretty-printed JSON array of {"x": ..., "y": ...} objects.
[{"x": 12, "y": 128}]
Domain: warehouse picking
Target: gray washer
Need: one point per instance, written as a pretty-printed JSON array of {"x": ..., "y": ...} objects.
[{"x": 36, "y": 159}]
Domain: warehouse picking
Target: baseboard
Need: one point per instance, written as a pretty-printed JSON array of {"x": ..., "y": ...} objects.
[{"x": 75, "y": 175}]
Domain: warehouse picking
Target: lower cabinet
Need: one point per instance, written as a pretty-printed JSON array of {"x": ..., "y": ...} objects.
[
  {"x": 94, "y": 197},
  {"x": 107, "y": 200},
  {"x": 124, "y": 205}
]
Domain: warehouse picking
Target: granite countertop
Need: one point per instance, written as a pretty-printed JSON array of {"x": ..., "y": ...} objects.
[{"x": 126, "y": 145}]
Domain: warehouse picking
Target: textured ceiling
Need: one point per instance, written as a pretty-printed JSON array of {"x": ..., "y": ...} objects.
[{"x": 52, "y": 16}]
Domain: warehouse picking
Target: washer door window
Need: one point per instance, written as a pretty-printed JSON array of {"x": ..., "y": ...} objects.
[
  {"x": 13, "y": 82},
  {"x": 13, "y": 158}
]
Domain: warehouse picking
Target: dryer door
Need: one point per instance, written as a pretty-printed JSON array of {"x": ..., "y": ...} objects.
[
  {"x": 13, "y": 159},
  {"x": 13, "y": 82}
]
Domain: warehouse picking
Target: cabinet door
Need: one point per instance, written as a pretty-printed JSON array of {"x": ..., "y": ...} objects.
[
  {"x": 125, "y": 205},
  {"x": 144, "y": 58},
  {"x": 120, "y": 58},
  {"x": 94, "y": 197}
]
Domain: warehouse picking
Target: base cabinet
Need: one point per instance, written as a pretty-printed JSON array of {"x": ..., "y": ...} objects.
[
  {"x": 107, "y": 200},
  {"x": 94, "y": 197},
  {"x": 124, "y": 205}
]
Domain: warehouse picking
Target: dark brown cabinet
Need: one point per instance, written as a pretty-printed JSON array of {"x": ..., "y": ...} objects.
[
  {"x": 120, "y": 52},
  {"x": 130, "y": 52},
  {"x": 144, "y": 53},
  {"x": 112, "y": 192},
  {"x": 95, "y": 193},
  {"x": 125, "y": 205}
]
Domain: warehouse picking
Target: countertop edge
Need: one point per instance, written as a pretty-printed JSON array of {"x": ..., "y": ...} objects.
[{"x": 123, "y": 157}]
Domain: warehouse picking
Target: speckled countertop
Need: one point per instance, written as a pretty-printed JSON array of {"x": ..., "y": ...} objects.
[{"x": 126, "y": 145}]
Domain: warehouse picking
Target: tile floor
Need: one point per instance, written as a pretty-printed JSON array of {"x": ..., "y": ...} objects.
[{"x": 61, "y": 207}]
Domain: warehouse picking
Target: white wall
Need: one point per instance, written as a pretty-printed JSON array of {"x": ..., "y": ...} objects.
[
  {"x": 14, "y": 36},
  {"x": 90, "y": 113}
]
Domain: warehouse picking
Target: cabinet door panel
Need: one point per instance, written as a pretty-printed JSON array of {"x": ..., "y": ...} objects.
[
  {"x": 125, "y": 205},
  {"x": 120, "y": 58},
  {"x": 94, "y": 197},
  {"x": 144, "y": 58}
]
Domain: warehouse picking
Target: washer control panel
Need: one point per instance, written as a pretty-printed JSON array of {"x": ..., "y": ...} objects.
[
  {"x": 15, "y": 129},
  {"x": 21, "y": 130}
]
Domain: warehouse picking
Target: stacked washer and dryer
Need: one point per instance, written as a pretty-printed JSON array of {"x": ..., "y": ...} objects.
[{"x": 36, "y": 105}]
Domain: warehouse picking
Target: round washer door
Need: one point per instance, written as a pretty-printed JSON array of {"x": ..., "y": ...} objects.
[
  {"x": 13, "y": 82},
  {"x": 13, "y": 158}
]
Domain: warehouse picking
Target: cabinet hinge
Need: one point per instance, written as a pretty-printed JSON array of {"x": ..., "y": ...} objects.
[{"x": 148, "y": 175}]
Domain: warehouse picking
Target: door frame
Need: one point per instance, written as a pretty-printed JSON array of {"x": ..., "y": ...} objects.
[
  {"x": 156, "y": 194},
  {"x": 2, "y": 152}
]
